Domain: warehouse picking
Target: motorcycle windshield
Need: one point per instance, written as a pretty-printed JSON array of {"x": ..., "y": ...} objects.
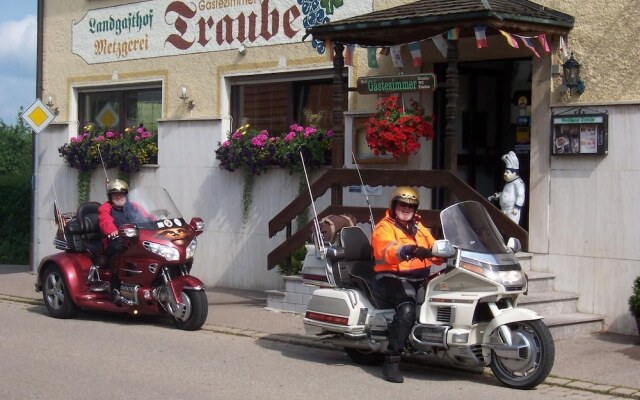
[
  {"x": 151, "y": 207},
  {"x": 468, "y": 226}
]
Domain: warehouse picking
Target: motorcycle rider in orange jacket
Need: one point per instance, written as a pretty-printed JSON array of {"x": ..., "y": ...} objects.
[{"x": 401, "y": 246}]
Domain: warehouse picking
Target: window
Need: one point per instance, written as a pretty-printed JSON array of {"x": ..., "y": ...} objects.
[
  {"x": 118, "y": 109},
  {"x": 273, "y": 102}
]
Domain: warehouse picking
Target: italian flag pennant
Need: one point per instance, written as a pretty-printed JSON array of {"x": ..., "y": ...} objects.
[{"x": 371, "y": 57}]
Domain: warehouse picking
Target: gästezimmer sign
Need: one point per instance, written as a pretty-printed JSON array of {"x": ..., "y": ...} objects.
[
  {"x": 396, "y": 84},
  {"x": 158, "y": 28}
]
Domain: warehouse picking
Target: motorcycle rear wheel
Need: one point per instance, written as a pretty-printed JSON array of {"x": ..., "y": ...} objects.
[
  {"x": 529, "y": 373},
  {"x": 364, "y": 357},
  {"x": 197, "y": 310},
  {"x": 56, "y": 295}
]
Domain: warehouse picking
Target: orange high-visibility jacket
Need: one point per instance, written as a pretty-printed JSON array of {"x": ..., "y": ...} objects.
[{"x": 387, "y": 238}]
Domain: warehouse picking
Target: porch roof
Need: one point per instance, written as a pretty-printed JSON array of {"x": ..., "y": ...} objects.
[{"x": 423, "y": 19}]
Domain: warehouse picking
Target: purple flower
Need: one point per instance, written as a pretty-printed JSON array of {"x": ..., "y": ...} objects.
[
  {"x": 110, "y": 134},
  {"x": 226, "y": 143}
]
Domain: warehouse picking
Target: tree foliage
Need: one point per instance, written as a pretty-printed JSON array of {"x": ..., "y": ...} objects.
[{"x": 15, "y": 147}]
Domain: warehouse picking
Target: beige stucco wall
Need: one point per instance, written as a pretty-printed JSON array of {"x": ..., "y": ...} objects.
[{"x": 582, "y": 210}]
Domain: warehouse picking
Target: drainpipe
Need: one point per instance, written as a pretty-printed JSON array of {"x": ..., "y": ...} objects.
[{"x": 34, "y": 238}]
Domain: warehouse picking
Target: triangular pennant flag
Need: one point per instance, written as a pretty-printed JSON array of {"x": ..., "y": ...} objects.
[
  {"x": 481, "y": 37},
  {"x": 510, "y": 39},
  {"x": 329, "y": 46},
  {"x": 529, "y": 44},
  {"x": 371, "y": 57},
  {"x": 453, "y": 34},
  {"x": 384, "y": 51},
  {"x": 416, "y": 54},
  {"x": 441, "y": 44},
  {"x": 396, "y": 57},
  {"x": 543, "y": 41},
  {"x": 348, "y": 55},
  {"x": 563, "y": 48}
]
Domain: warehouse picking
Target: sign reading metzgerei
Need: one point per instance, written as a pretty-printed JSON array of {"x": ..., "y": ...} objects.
[{"x": 396, "y": 84}]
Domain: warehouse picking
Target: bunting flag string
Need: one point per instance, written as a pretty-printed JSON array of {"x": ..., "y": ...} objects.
[
  {"x": 510, "y": 39},
  {"x": 543, "y": 41},
  {"x": 348, "y": 55},
  {"x": 529, "y": 44},
  {"x": 440, "y": 42},
  {"x": 416, "y": 54},
  {"x": 481, "y": 36},
  {"x": 371, "y": 57},
  {"x": 396, "y": 57},
  {"x": 563, "y": 48}
]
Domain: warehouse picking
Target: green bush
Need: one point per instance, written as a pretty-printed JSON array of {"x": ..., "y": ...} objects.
[{"x": 15, "y": 213}]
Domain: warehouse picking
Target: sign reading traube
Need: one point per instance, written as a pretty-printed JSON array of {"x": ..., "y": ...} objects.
[
  {"x": 158, "y": 28},
  {"x": 395, "y": 84}
]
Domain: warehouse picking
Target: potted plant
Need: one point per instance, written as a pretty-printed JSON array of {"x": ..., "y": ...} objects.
[
  {"x": 395, "y": 129},
  {"x": 634, "y": 302}
]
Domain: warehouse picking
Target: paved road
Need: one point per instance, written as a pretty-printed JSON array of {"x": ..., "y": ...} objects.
[{"x": 98, "y": 356}]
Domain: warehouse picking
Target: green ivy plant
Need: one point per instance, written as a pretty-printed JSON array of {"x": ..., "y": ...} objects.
[{"x": 634, "y": 299}]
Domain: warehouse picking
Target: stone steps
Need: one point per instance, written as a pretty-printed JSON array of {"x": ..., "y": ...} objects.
[{"x": 558, "y": 309}]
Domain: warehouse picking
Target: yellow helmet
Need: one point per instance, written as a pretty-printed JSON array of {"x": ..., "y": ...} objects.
[
  {"x": 404, "y": 194},
  {"x": 117, "y": 186}
]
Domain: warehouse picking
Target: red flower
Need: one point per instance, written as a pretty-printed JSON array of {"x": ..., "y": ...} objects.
[{"x": 394, "y": 130}]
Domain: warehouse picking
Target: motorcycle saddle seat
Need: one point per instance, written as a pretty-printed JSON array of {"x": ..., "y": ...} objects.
[
  {"x": 90, "y": 233},
  {"x": 359, "y": 263}
]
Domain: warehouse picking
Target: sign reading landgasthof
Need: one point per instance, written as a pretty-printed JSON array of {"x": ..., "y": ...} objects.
[{"x": 158, "y": 28}]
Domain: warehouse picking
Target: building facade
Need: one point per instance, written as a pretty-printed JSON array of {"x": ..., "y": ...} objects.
[{"x": 193, "y": 72}]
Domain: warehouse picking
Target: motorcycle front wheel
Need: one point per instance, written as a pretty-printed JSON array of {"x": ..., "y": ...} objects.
[
  {"x": 535, "y": 357},
  {"x": 56, "y": 295},
  {"x": 192, "y": 312}
]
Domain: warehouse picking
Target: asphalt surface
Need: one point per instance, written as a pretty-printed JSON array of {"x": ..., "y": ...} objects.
[{"x": 598, "y": 363}]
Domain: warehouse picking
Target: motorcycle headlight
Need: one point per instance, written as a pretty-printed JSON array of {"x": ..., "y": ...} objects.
[
  {"x": 169, "y": 253},
  {"x": 191, "y": 248},
  {"x": 505, "y": 275}
]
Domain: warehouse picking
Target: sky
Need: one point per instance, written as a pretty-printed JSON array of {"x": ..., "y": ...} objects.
[{"x": 18, "y": 30}]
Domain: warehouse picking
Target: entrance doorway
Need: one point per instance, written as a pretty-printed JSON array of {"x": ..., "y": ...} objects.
[{"x": 494, "y": 109}]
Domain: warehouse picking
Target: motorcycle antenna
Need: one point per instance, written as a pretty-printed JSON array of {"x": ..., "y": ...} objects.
[
  {"x": 364, "y": 191},
  {"x": 56, "y": 210},
  {"x": 319, "y": 239},
  {"x": 106, "y": 176}
]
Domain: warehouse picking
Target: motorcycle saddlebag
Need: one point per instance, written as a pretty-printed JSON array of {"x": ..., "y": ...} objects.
[{"x": 337, "y": 310}]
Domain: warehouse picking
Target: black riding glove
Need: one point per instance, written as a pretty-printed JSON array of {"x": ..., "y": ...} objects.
[
  {"x": 422, "y": 253},
  {"x": 407, "y": 252}
]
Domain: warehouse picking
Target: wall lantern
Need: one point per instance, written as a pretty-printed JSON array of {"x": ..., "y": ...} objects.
[
  {"x": 52, "y": 105},
  {"x": 571, "y": 76},
  {"x": 184, "y": 96}
]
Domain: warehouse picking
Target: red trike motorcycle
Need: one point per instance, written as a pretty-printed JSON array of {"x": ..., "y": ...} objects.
[{"x": 153, "y": 268}]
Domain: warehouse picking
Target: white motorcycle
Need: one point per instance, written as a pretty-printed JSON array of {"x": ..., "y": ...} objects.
[{"x": 467, "y": 314}]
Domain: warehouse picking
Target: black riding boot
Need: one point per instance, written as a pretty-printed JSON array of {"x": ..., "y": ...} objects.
[
  {"x": 391, "y": 369},
  {"x": 399, "y": 331}
]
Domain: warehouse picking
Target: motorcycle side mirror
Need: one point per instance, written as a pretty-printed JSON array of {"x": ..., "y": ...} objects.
[
  {"x": 197, "y": 224},
  {"x": 128, "y": 230},
  {"x": 443, "y": 249},
  {"x": 514, "y": 244}
]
